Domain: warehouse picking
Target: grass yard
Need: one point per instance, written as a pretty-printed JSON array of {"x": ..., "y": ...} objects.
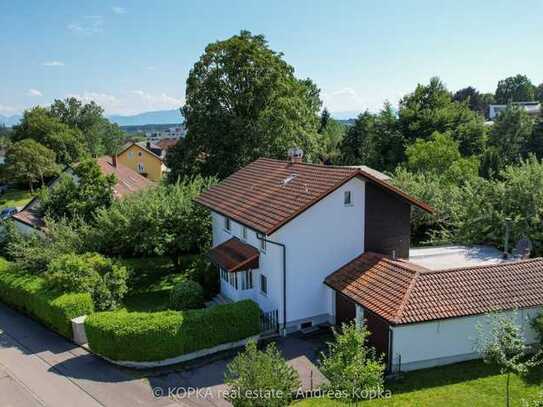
[
  {"x": 150, "y": 283},
  {"x": 15, "y": 198},
  {"x": 464, "y": 384}
]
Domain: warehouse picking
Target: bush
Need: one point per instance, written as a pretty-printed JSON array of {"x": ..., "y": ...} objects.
[
  {"x": 139, "y": 336},
  {"x": 31, "y": 295},
  {"x": 187, "y": 295},
  {"x": 352, "y": 367},
  {"x": 256, "y": 372},
  {"x": 199, "y": 268},
  {"x": 91, "y": 273}
]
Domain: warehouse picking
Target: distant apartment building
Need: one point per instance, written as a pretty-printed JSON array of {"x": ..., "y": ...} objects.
[
  {"x": 155, "y": 136},
  {"x": 533, "y": 109}
]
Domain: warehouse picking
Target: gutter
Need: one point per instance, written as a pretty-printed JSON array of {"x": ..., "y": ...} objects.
[{"x": 261, "y": 237}]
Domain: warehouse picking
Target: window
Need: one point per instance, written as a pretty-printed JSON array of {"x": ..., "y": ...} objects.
[
  {"x": 141, "y": 168},
  {"x": 244, "y": 232},
  {"x": 263, "y": 284},
  {"x": 233, "y": 280},
  {"x": 130, "y": 154},
  {"x": 347, "y": 198},
  {"x": 247, "y": 280},
  {"x": 140, "y": 154},
  {"x": 224, "y": 274},
  {"x": 227, "y": 225},
  {"x": 263, "y": 245}
]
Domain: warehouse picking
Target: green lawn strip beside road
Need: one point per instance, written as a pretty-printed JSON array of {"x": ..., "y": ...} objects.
[
  {"x": 464, "y": 384},
  {"x": 15, "y": 198}
]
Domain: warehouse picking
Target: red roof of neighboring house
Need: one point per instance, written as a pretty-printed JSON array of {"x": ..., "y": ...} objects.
[
  {"x": 402, "y": 292},
  {"x": 167, "y": 143},
  {"x": 235, "y": 255},
  {"x": 267, "y": 193},
  {"x": 128, "y": 181}
]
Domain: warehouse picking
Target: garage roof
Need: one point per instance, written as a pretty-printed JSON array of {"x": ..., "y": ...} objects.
[{"x": 402, "y": 292}]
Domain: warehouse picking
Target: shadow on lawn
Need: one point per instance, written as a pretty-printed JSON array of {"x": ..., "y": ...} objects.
[{"x": 452, "y": 374}]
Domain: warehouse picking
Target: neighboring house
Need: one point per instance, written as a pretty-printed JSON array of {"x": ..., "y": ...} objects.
[
  {"x": 144, "y": 158},
  {"x": 326, "y": 244},
  {"x": 532, "y": 108},
  {"x": 166, "y": 144},
  {"x": 128, "y": 181}
]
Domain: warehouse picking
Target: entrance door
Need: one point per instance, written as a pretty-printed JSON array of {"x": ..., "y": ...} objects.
[
  {"x": 379, "y": 333},
  {"x": 345, "y": 309}
]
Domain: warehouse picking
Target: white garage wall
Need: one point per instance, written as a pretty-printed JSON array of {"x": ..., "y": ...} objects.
[{"x": 447, "y": 341}]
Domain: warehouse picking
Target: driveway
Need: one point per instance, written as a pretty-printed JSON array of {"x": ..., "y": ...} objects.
[{"x": 40, "y": 368}]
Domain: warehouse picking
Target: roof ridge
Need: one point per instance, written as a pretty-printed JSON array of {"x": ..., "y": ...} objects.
[
  {"x": 406, "y": 297},
  {"x": 337, "y": 167}
]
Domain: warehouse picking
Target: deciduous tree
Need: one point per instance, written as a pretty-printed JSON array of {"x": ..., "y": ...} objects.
[
  {"x": 243, "y": 102},
  {"x": 515, "y": 89}
]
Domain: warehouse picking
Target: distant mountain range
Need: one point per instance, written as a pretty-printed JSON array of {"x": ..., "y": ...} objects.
[
  {"x": 10, "y": 120},
  {"x": 157, "y": 117}
]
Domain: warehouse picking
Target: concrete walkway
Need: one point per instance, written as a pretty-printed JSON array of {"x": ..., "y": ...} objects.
[{"x": 40, "y": 368}]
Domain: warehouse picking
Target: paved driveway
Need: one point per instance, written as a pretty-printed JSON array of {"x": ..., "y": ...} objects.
[{"x": 40, "y": 368}]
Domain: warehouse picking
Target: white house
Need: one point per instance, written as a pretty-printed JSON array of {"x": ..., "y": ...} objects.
[
  {"x": 327, "y": 244},
  {"x": 532, "y": 108}
]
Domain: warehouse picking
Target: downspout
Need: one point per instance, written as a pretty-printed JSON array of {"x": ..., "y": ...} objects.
[{"x": 260, "y": 236}]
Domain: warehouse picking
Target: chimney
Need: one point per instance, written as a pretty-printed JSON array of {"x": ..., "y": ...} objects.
[
  {"x": 114, "y": 160},
  {"x": 295, "y": 155},
  {"x": 148, "y": 145}
]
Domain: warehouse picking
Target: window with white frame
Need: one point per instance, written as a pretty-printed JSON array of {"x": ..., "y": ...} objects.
[
  {"x": 263, "y": 245},
  {"x": 347, "y": 198},
  {"x": 244, "y": 232},
  {"x": 130, "y": 154},
  {"x": 224, "y": 274},
  {"x": 263, "y": 284},
  {"x": 247, "y": 280},
  {"x": 227, "y": 224},
  {"x": 233, "y": 280}
]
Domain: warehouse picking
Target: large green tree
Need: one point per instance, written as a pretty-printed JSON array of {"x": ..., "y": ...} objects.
[
  {"x": 38, "y": 124},
  {"x": 515, "y": 89},
  {"x": 511, "y": 133},
  {"x": 100, "y": 135},
  {"x": 29, "y": 162},
  {"x": 431, "y": 108},
  {"x": 80, "y": 196},
  {"x": 243, "y": 101},
  {"x": 473, "y": 98}
]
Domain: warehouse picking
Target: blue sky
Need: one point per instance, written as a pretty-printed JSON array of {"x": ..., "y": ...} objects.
[{"x": 135, "y": 56}]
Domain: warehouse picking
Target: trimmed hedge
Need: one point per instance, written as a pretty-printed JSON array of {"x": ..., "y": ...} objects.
[
  {"x": 30, "y": 294},
  {"x": 144, "y": 337}
]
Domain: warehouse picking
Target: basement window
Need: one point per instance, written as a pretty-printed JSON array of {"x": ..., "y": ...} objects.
[{"x": 347, "y": 198}]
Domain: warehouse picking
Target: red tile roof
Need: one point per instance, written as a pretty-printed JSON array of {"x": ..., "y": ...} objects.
[
  {"x": 167, "y": 143},
  {"x": 235, "y": 255},
  {"x": 267, "y": 194},
  {"x": 402, "y": 292},
  {"x": 128, "y": 181}
]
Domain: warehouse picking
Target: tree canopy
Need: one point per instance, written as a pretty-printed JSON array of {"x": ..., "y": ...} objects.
[
  {"x": 29, "y": 162},
  {"x": 515, "y": 89},
  {"x": 242, "y": 102}
]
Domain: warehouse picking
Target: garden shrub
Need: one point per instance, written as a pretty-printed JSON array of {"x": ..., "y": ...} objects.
[
  {"x": 140, "y": 336},
  {"x": 91, "y": 273},
  {"x": 187, "y": 294},
  {"x": 353, "y": 369},
  {"x": 31, "y": 294},
  {"x": 200, "y": 269},
  {"x": 255, "y": 372}
]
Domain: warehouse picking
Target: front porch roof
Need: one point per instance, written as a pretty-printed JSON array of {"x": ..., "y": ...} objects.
[{"x": 235, "y": 255}]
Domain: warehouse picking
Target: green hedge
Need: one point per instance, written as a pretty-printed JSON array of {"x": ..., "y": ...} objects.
[
  {"x": 29, "y": 294},
  {"x": 141, "y": 337}
]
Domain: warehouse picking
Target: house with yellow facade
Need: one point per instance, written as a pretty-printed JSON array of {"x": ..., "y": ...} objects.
[{"x": 145, "y": 158}]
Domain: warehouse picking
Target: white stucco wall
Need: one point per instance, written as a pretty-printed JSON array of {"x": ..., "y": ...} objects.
[
  {"x": 319, "y": 241},
  {"x": 447, "y": 341}
]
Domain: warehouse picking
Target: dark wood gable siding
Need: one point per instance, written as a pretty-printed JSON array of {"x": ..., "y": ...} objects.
[{"x": 387, "y": 222}]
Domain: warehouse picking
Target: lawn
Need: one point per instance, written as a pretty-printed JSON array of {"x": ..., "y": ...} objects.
[
  {"x": 15, "y": 198},
  {"x": 150, "y": 283},
  {"x": 464, "y": 384}
]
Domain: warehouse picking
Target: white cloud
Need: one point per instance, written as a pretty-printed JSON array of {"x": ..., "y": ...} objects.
[
  {"x": 34, "y": 92},
  {"x": 350, "y": 100},
  {"x": 87, "y": 26},
  {"x": 118, "y": 10},
  {"x": 133, "y": 102},
  {"x": 53, "y": 63}
]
